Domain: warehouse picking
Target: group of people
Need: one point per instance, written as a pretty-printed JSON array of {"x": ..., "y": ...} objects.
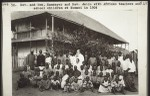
[{"x": 78, "y": 72}]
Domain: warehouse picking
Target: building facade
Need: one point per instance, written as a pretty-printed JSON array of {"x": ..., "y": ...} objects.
[{"x": 53, "y": 32}]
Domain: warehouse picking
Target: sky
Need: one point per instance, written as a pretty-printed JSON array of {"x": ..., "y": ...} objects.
[{"x": 122, "y": 22}]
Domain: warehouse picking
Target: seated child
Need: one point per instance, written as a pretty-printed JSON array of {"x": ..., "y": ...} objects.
[
  {"x": 82, "y": 69},
  {"x": 109, "y": 70},
  {"x": 112, "y": 77},
  {"x": 75, "y": 85},
  {"x": 105, "y": 86},
  {"x": 106, "y": 64},
  {"x": 57, "y": 69},
  {"x": 94, "y": 67},
  {"x": 94, "y": 79},
  {"x": 46, "y": 70},
  {"x": 70, "y": 70},
  {"x": 101, "y": 69},
  {"x": 26, "y": 72},
  {"x": 64, "y": 78},
  {"x": 22, "y": 82},
  {"x": 58, "y": 77},
  {"x": 76, "y": 72},
  {"x": 108, "y": 76},
  {"x": 100, "y": 78},
  {"x": 62, "y": 70},
  {"x": 59, "y": 63},
  {"x": 67, "y": 86},
  {"x": 45, "y": 84},
  {"x": 89, "y": 67},
  {"x": 32, "y": 71},
  {"x": 36, "y": 80},
  {"x": 117, "y": 86},
  {"x": 67, "y": 64},
  {"x": 114, "y": 67},
  {"x": 119, "y": 68},
  {"x": 52, "y": 68},
  {"x": 24, "y": 78},
  {"x": 55, "y": 83},
  {"x": 87, "y": 84},
  {"x": 86, "y": 73}
]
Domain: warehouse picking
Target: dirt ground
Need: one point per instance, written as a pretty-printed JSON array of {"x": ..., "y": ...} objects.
[{"x": 29, "y": 91}]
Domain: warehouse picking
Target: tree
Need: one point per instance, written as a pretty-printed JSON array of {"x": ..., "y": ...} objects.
[{"x": 86, "y": 42}]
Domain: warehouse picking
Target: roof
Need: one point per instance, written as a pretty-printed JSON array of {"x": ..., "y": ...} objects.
[{"x": 75, "y": 17}]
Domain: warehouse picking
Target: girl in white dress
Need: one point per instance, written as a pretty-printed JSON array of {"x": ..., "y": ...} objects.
[{"x": 105, "y": 86}]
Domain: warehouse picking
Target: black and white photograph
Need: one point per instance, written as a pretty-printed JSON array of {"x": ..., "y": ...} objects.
[{"x": 75, "y": 52}]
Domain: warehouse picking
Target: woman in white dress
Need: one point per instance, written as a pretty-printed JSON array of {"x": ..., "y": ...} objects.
[
  {"x": 64, "y": 78},
  {"x": 105, "y": 86}
]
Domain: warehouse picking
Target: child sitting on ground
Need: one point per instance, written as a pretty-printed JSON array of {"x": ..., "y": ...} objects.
[
  {"x": 100, "y": 79},
  {"x": 105, "y": 86},
  {"x": 24, "y": 78},
  {"x": 117, "y": 86},
  {"x": 87, "y": 84},
  {"x": 82, "y": 69},
  {"x": 57, "y": 69},
  {"x": 94, "y": 79},
  {"x": 67, "y": 86},
  {"x": 46, "y": 70},
  {"x": 45, "y": 84},
  {"x": 26, "y": 73},
  {"x": 109, "y": 70},
  {"x": 86, "y": 73},
  {"x": 75, "y": 85},
  {"x": 119, "y": 68},
  {"x": 22, "y": 82},
  {"x": 36, "y": 80},
  {"x": 55, "y": 83}
]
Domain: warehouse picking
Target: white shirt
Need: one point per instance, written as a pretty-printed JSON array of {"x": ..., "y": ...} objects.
[
  {"x": 132, "y": 67},
  {"x": 73, "y": 60},
  {"x": 48, "y": 60},
  {"x": 81, "y": 57},
  {"x": 78, "y": 66},
  {"x": 55, "y": 67},
  {"x": 124, "y": 64},
  {"x": 120, "y": 58},
  {"x": 109, "y": 71},
  {"x": 110, "y": 61}
]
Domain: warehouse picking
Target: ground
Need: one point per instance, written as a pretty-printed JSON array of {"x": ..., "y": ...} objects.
[{"x": 29, "y": 91}]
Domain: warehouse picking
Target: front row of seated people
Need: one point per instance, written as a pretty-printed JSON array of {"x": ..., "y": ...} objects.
[{"x": 69, "y": 78}]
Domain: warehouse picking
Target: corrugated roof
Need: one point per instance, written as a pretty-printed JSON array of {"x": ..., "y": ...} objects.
[{"x": 75, "y": 17}]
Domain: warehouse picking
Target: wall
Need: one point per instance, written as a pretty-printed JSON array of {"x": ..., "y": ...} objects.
[{"x": 24, "y": 50}]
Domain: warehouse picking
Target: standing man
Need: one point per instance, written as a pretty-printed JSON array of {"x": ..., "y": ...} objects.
[
  {"x": 40, "y": 59},
  {"x": 31, "y": 59},
  {"x": 79, "y": 56}
]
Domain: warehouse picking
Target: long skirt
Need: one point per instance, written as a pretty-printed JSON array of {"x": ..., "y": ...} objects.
[
  {"x": 103, "y": 89},
  {"x": 130, "y": 84}
]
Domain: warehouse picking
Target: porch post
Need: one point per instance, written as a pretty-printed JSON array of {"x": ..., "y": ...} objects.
[
  {"x": 63, "y": 39},
  {"x": 46, "y": 34},
  {"x": 30, "y": 35},
  {"x": 52, "y": 32}
]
